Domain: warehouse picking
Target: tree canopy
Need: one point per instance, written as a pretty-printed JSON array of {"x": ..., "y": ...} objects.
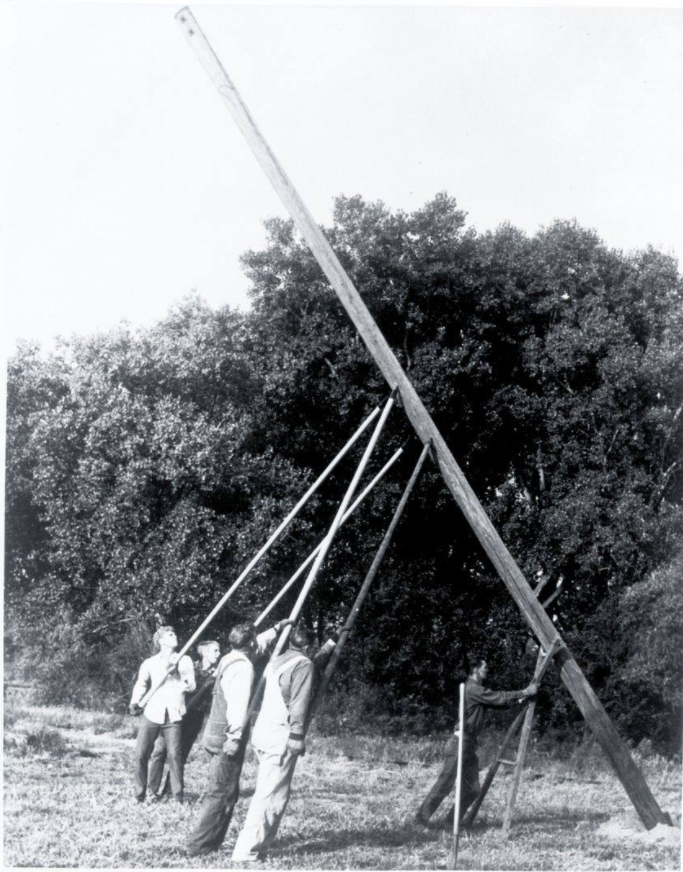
[{"x": 144, "y": 468}]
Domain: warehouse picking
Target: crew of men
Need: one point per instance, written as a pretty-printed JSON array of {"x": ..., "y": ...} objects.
[{"x": 170, "y": 724}]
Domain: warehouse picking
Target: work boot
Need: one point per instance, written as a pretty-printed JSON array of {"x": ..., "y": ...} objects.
[{"x": 193, "y": 851}]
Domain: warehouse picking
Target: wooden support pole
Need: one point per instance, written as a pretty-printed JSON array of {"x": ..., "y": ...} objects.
[
  {"x": 458, "y": 782},
  {"x": 512, "y": 576},
  {"x": 311, "y": 557},
  {"x": 274, "y": 536},
  {"x": 365, "y": 587}
]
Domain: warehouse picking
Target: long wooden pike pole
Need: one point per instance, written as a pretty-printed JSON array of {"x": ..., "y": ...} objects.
[
  {"x": 365, "y": 587},
  {"x": 264, "y": 549},
  {"x": 533, "y": 612},
  {"x": 327, "y": 542},
  {"x": 458, "y": 781},
  {"x": 311, "y": 557}
]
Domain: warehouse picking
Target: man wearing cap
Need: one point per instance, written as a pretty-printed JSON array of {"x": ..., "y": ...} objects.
[
  {"x": 278, "y": 739},
  {"x": 226, "y": 733},
  {"x": 477, "y": 699},
  {"x": 164, "y": 710}
]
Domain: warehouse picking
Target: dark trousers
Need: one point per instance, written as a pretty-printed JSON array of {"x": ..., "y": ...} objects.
[
  {"x": 148, "y": 733},
  {"x": 190, "y": 728},
  {"x": 445, "y": 782},
  {"x": 220, "y": 798}
]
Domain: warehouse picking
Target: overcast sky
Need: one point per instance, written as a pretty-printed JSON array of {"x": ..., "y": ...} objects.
[{"x": 126, "y": 183}]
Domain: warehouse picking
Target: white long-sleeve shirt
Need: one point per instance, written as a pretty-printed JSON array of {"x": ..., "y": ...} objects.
[
  {"x": 237, "y": 682},
  {"x": 167, "y": 705}
]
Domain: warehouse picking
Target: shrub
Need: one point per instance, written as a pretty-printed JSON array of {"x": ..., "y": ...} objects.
[
  {"x": 41, "y": 741},
  {"x": 72, "y": 667}
]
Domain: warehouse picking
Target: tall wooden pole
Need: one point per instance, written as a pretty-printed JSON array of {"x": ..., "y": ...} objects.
[{"x": 533, "y": 612}]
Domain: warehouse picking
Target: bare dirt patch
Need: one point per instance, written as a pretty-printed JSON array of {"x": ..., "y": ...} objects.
[{"x": 627, "y": 826}]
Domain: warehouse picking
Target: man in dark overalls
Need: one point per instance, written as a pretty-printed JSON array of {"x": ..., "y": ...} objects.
[{"x": 477, "y": 699}]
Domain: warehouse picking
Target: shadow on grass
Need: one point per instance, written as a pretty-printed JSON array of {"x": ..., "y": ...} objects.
[
  {"x": 375, "y": 837},
  {"x": 563, "y": 819},
  {"x": 553, "y": 819}
]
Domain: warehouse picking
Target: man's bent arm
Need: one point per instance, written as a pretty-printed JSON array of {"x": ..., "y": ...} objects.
[
  {"x": 144, "y": 678},
  {"x": 494, "y": 698}
]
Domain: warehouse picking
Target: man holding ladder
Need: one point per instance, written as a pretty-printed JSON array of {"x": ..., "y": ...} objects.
[{"x": 477, "y": 699}]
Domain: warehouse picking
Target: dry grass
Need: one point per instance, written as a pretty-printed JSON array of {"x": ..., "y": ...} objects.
[{"x": 69, "y": 802}]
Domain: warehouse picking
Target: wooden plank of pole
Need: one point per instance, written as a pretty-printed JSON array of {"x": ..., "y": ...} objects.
[
  {"x": 367, "y": 582},
  {"x": 327, "y": 542},
  {"x": 274, "y": 536},
  {"x": 458, "y": 782},
  {"x": 533, "y": 612},
  {"x": 311, "y": 557}
]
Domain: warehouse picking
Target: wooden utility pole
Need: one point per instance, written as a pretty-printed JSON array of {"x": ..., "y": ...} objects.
[{"x": 533, "y": 612}]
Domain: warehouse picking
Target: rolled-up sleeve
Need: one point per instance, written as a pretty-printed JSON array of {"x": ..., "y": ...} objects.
[
  {"x": 323, "y": 656},
  {"x": 265, "y": 640},
  {"x": 186, "y": 672}
]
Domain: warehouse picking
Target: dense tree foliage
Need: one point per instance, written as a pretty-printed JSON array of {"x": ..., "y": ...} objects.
[{"x": 145, "y": 468}]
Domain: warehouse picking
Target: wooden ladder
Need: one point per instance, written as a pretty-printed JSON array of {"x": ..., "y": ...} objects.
[{"x": 523, "y": 720}]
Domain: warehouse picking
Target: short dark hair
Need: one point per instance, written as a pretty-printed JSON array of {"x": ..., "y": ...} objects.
[
  {"x": 301, "y": 637},
  {"x": 201, "y": 648},
  {"x": 474, "y": 661},
  {"x": 241, "y": 636}
]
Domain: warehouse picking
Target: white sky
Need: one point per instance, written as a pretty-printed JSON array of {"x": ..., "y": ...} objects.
[{"x": 126, "y": 183}]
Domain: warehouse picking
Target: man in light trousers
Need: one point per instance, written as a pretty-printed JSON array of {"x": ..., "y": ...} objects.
[
  {"x": 278, "y": 739},
  {"x": 225, "y": 735}
]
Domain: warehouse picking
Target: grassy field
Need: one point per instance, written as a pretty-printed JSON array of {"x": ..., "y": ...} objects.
[{"x": 69, "y": 802}]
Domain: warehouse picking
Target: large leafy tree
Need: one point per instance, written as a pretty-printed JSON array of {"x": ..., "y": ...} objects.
[{"x": 145, "y": 468}]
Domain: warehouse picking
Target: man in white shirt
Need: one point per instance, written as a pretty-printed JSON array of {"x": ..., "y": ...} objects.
[
  {"x": 164, "y": 710},
  {"x": 278, "y": 740},
  {"x": 225, "y": 734},
  {"x": 197, "y": 707}
]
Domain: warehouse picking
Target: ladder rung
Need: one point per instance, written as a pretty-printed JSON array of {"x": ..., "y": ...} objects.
[{"x": 507, "y": 762}]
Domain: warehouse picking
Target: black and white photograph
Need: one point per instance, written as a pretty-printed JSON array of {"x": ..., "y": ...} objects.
[{"x": 343, "y": 436}]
